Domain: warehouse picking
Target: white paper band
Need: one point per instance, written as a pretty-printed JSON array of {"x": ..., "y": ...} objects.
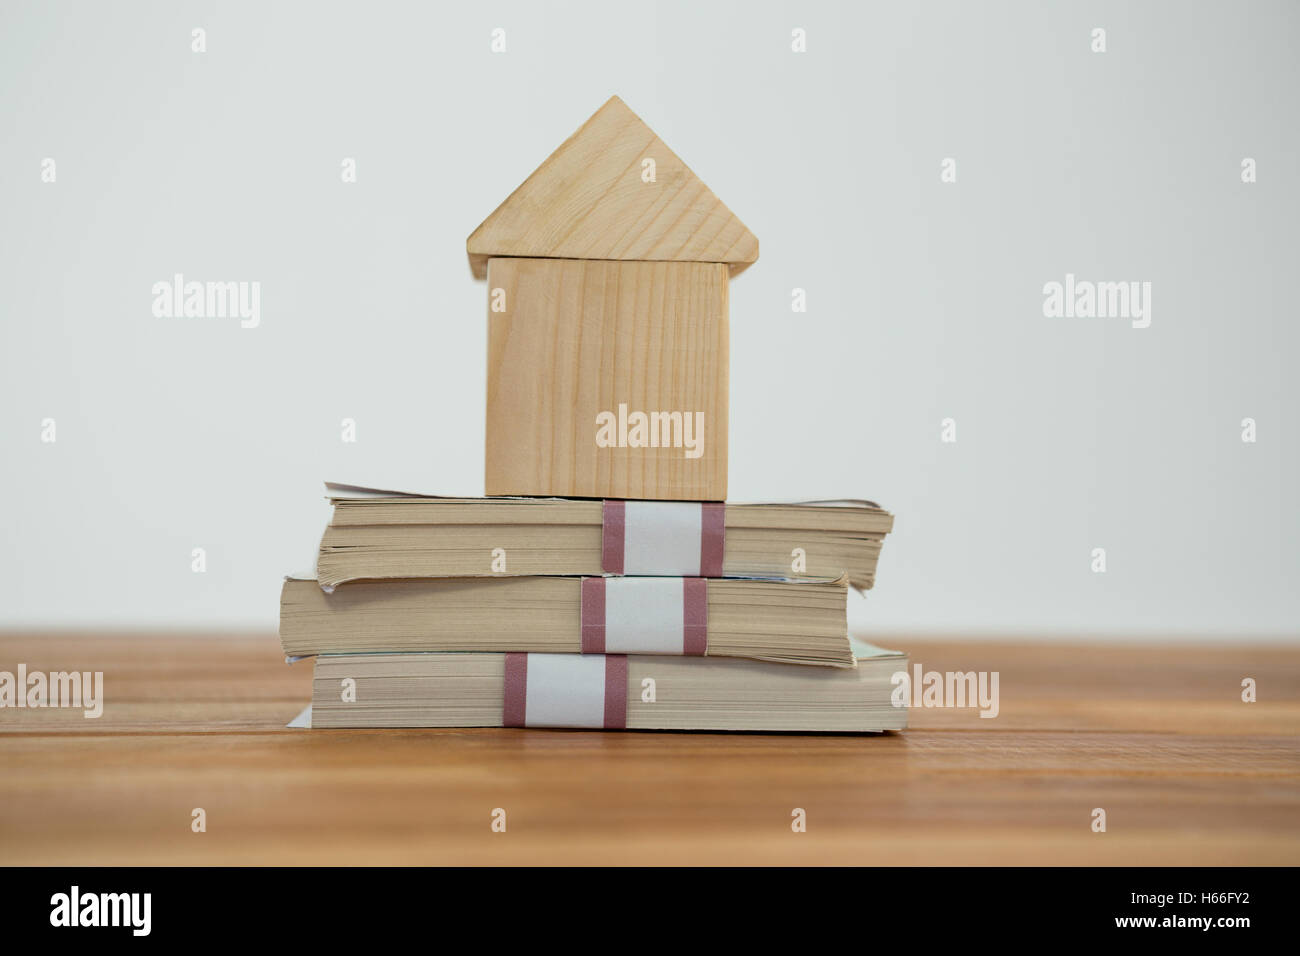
[
  {"x": 565, "y": 690},
  {"x": 684, "y": 538}
]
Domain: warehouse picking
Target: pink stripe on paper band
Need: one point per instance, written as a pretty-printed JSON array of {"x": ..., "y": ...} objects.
[
  {"x": 615, "y": 692},
  {"x": 695, "y": 622},
  {"x": 613, "y": 536},
  {"x": 515, "y": 711},
  {"x": 593, "y": 615},
  {"x": 713, "y": 532}
]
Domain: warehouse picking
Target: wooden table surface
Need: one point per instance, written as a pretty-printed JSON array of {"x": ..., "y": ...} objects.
[{"x": 1156, "y": 735}]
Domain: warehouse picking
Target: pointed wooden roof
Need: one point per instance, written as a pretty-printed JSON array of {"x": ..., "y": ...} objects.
[{"x": 588, "y": 201}]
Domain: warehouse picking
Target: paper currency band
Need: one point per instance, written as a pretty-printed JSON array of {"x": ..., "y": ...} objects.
[
  {"x": 645, "y": 616},
  {"x": 664, "y": 537},
  {"x": 565, "y": 690}
]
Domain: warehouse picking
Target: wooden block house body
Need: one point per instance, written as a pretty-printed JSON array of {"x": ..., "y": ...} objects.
[{"x": 607, "y": 275}]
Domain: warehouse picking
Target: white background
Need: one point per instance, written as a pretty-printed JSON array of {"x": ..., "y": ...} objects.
[{"x": 924, "y": 299}]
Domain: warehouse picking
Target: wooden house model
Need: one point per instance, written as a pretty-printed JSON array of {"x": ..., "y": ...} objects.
[{"x": 607, "y": 274}]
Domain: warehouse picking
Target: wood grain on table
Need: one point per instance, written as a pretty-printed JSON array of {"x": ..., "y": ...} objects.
[{"x": 1156, "y": 735}]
